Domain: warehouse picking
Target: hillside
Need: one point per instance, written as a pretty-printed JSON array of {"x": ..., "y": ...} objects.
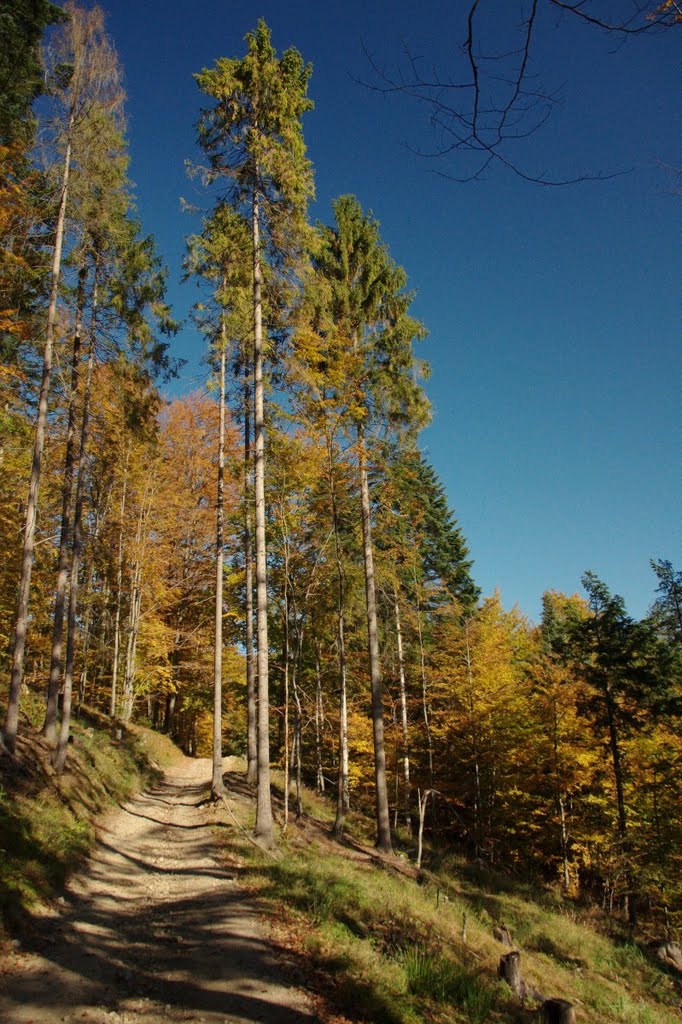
[{"x": 177, "y": 887}]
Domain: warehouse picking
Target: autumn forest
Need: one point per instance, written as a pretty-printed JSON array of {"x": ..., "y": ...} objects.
[{"x": 270, "y": 567}]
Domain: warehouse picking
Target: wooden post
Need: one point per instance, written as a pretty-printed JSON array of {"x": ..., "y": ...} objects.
[
  {"x": 510, "y": 971},
  {"x": 558, "y": 1011}
]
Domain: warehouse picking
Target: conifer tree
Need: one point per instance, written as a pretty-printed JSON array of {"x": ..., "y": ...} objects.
[
  {"x": 629, "y": 671},
  {"x": 22, "y": 26},
  {"x": 370, "y": 306},
  {"x": 254, "y": 140}
]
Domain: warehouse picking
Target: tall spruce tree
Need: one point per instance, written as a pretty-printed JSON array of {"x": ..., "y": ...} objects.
[
  {"x": 254, "y": 140},
  {"x": 370, "y": 307},
  {"x": 628, "y": 669}
]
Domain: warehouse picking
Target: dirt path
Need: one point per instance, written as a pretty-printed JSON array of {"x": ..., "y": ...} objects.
[{"x": 155, "y": 929}]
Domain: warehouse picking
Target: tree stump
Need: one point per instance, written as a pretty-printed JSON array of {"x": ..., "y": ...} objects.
[
  {"x": 557, "y": 1011},
  {"x": 671, "y": 954},
  {"x": 503, "y": 935},
  {"x": 510, "y": 971}
]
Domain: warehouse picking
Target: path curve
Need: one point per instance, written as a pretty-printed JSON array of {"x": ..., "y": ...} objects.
[{"x": 154, "y": 929}]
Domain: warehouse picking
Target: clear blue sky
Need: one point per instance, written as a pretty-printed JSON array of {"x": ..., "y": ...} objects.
[{"x": 554, "y": 314}]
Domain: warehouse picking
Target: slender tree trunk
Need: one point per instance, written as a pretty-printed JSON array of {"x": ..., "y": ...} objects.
[
  {"x": 343, "y": 797},
  {"x": 217, "y": 788},
  {"x": 83, "y": 677},
  {"x": 319, "y": 720},
  {"x": 251, "y": 695},
  {"x": 285, "y": 670},
  {"x": 559, "y": 797},
  {"x": 383, "y": 842},
  {"x": 135, "y": 613},
  {"x": 87, "y": 623},
  {"x": 425, "y": 695},
  {"x": 630, "y": 898},
  {"x": 478, "y": 803},
  {"x": 119, "y": 591},
  {"x": 21, "y": 622},
  {"x": 62, "y": 746},
  {"x": 403, "y": 716},
  {"x": 131, "y": 645},
  {"x": 264, "y": 830},
  {"x": 298, "y": 716},
  {"x": 50, "y": 724},
  {"x": 169, "y": 718}
]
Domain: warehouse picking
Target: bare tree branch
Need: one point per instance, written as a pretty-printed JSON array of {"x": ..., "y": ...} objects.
[{"x": 494, "y": 99}]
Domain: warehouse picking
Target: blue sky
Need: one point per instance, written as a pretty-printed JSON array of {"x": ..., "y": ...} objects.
[{"x": 554, "y": 314}]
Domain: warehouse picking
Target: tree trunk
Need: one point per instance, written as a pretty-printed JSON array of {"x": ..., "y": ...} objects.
[
  {"x": 560, "y": 798},
  {"x": 319, "y": 720},
  {"x": 510, "y": 971},
  {"x": 285, "y": 670},
  {"x": 251, "y": 696},
  {"x": 298, "y": 716},
  {"x": 631, "y": 903},
  {"x": 403, "y": 717},
  {"x": 557, "y": 1011},
  {"x": 422, "y": 801},
  {"x": 383, "y": 820},
  {"x": 49, "y": 729},
  {"x": 342, "y": 795},
  {"x": 264, "y": 830},
  {"x": 87, "y": 629},
  {"x": 217, "y": 788},
  {"x": 478, "y": 805},
  {"x": 21, "y": 622},
  {"x": 169, "y": 718},
  {"x": 426, "y": 706},
  {"x": 119, "y": 590},
  {"x": 135, "y": 611},
  {"x": 62, "y": 746}
]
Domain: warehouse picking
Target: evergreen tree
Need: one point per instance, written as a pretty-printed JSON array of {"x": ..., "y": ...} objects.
[
  {"x": 22, "y": 26},
  {"x": 254, "y": 140},
  {"x": 625, "y": 664},
  {"x": 370, "y": 307},
  {"x": 667, "y": 608}
]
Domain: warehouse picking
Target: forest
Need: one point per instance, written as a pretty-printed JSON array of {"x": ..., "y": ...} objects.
[{"x": 270, "y": 566}]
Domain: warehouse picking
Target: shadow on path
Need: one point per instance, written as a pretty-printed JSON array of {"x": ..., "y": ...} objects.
[{"x": 154, "y": 929}]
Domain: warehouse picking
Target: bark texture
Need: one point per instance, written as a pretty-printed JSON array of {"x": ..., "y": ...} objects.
[
  {"x": 264, "y": 830},
  {"x": 21, "y": 621},
  {"x": 383, "y": 820}
]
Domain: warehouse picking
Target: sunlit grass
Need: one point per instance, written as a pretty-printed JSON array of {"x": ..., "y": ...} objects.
[{"x": 393, "y": 941}]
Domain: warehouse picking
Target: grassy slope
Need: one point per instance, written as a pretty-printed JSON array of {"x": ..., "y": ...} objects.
[
  {"x": 47, "y": 821},
  {"x": 383, "y": 943},
  {"x": 387, "y": 943}
]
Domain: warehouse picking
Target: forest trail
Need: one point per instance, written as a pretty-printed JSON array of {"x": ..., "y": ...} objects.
[{"x": 155, "y": 928}]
